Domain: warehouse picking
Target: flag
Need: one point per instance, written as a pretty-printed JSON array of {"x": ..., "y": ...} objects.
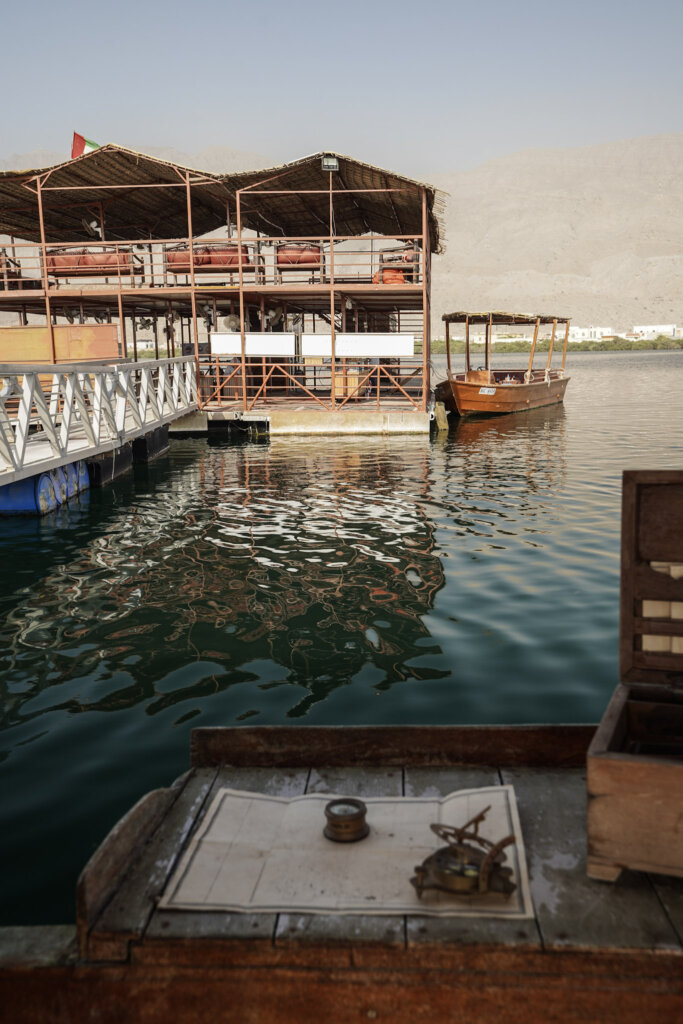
[{"x": 81, "y": 145}]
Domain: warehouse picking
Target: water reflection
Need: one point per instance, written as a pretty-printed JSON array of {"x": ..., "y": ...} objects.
[{"x": 318, "y": 558}]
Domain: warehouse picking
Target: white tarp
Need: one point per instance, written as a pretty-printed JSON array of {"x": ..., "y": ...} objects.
[
  {"x": 255, "y": 853},
  {"x": 256, "y": 344},
  {"x": 361, "y": 346}
]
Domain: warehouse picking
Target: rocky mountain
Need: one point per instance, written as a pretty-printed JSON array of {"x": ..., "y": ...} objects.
[{"x": 595, "y": 233}]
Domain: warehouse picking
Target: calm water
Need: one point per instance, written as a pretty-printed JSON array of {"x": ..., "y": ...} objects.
[{"x": 472, "y": 578}]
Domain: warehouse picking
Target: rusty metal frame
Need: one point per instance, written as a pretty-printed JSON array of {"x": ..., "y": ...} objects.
[{"x": 38, "y": 185}]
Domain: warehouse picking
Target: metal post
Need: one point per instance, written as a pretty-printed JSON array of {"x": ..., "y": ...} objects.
[
  {"x": 156, "y": 338},
  {"x": 333, "y": 340},
  {"x": 448, "y": 350},
  {"x": 122, "y": 324},
  {"x": 170, "y": 340},
  {"x": 533, "y": 349},
  {"x": 243, "y": 340},
  {"x": 426, "y": 325},
  {"x": 135, "y": 337},
  {"x": 193, "y": 296},
  {"x": 46, "y": 284}
]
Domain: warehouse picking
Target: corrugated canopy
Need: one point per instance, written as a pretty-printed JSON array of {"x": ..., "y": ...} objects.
[
  {"x": 498, "y": 318},
  {"x": 132, "y": 212},
  {"x": 128, "y": 212},
  {"x": 355, "y": 213}
]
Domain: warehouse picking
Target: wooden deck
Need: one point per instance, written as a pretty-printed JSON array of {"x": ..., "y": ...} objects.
[{"x": 593, "y": 952}]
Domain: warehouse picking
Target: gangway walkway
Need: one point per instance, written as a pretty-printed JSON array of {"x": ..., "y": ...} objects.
[{"x": 54, "y": 414}]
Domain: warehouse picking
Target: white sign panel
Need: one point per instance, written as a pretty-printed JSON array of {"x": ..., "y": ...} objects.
[
  {"x": 359, "y": 346},
  {"x": 256, "y": 344}
]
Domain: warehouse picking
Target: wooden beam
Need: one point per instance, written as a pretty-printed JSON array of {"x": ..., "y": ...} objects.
[{"x": 296, "y": 746}]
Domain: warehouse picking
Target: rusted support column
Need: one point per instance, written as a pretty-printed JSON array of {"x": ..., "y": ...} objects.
[
  {"x": 135, "y": 337},
  {"x": 170, "y": 339},
  {"x": 46, "y": 286},
  {"x": 426, "y": 316},
  {"x": 193, "y": 296},
  {"x": 122, "y": 324},
  {"x": 243, "y": 340},
  {"x": 333, "y": 340}
]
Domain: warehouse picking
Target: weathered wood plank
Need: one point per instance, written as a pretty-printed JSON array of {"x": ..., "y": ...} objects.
[
  {"x": 150, "y": 994},
  {"x": 187, "y": 925},
  {"x": 299, "y": 746},
  {"x": 438, "y": 782},
  {"x": 571, "y": 909},
  {"x": 126, "y": 915},
  {"x": 425, "y": 931},
  {"x": 332, "y": 930},
  {"x": 38, "y": 945},
  {"x": 634, "y": 812},
  {"x": 356, "y": 781},
  {"x": 105, "y": 870}
]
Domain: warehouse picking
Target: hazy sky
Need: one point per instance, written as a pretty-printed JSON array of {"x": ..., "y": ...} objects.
[{"x": 420, "y": 86}]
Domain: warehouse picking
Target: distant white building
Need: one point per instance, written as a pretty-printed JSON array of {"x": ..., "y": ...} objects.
[
  {"x": 650, "y": 331},
  {"x": 590, "y": 333}
]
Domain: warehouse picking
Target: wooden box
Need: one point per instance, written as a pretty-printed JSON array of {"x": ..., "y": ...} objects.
[{"x": 635, "y": 761}]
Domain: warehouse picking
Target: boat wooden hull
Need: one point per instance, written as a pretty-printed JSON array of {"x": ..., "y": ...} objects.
[
  {"x": 474, "y": 399},
  {"x": 585, "y": 956}
]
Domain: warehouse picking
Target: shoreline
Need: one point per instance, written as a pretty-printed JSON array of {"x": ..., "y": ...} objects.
[{"x": 438, "y": 346}]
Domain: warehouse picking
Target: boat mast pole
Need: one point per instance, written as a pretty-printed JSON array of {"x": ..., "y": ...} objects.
[
  {"x": 467, "y": 342},
  {"x": 448, "y": 350},
  {"x": 489, "y": 332},
  {"x": 527, "y": 375},
  {"x": 564, "y": 350},
  {"x": 550, "y": 350}
]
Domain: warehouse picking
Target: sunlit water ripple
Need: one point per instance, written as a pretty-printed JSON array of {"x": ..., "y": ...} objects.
[{"x": 468, "y": 578}]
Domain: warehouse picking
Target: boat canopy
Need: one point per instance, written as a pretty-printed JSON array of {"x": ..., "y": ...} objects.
[{"x": 497, "y": 318}]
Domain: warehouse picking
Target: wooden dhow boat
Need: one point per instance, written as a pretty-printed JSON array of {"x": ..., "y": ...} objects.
[{"x": 484, "y": 391}]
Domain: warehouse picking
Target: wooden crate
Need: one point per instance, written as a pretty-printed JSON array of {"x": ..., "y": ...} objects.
[
  {"x": 635, "y": 761},
  {"x": 346, "y": 384}
]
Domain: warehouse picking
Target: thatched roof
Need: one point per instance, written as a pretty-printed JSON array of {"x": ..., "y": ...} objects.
[
  {"x": 128, "y": 212},
  {"x": 132, "y": 211},
  {"x": 498, "y": 318},
  {"x": 387, "y": 213}
]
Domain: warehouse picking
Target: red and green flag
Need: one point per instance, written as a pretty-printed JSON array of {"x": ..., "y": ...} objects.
[{"x": 81, "y": 145}]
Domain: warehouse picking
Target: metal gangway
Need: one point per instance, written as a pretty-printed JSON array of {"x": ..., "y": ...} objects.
[{"x": 55, "y": 414}]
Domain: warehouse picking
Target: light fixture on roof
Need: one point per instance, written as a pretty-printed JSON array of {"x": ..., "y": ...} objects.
[{"x": 330, "y": 162}]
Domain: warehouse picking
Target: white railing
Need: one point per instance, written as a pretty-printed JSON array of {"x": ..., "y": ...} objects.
[{"x": 53, "y": 414}]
